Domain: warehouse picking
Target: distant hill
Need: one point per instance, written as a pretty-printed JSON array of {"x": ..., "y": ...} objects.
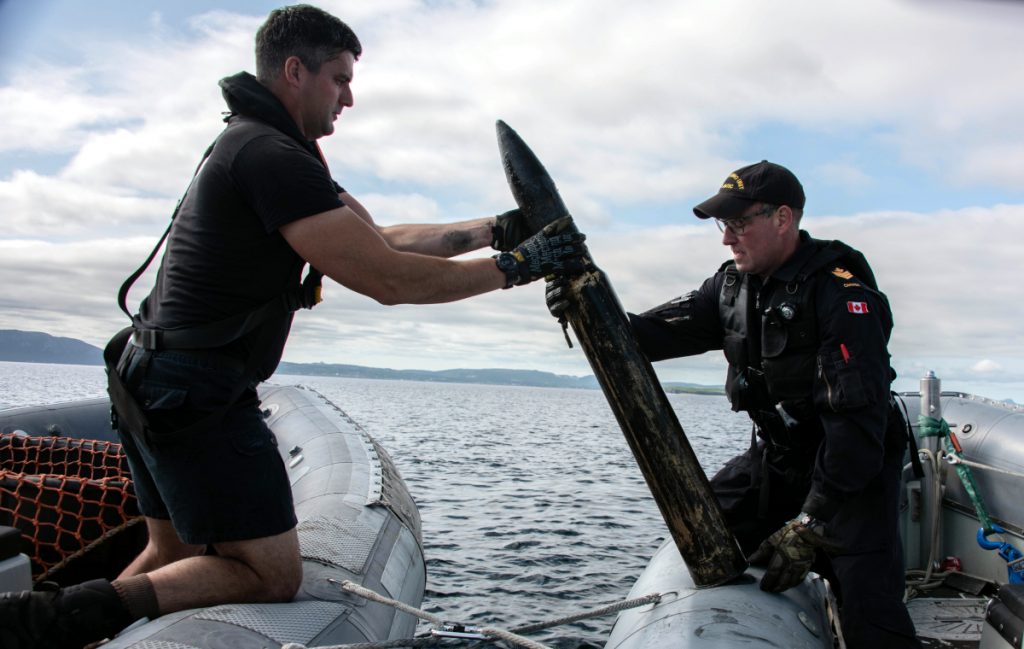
[
  {"x": 37, "y": 347},
  {"x": 693, "y": 388},
  {"x": 489, "y": 376}
]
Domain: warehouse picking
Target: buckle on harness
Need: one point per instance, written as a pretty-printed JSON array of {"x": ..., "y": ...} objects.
[{"x": 148, "y": 339}]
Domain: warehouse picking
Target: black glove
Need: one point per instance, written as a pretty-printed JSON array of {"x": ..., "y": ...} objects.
[
  {"x": 555, "y": 250},
  {"x": 789, "y": 553},
  {"x": 509, "y": 230},
  {"x": 556, "y": 295}
]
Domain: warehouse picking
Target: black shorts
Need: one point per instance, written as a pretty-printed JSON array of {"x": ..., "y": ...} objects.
[{"x": 224, "y": 482}]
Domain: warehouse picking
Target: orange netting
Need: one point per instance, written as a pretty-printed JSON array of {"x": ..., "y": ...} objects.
[{"x": 64, "y": 495}]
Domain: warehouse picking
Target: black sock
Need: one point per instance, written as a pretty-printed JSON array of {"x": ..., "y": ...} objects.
[{"x": 138, "y": 596}]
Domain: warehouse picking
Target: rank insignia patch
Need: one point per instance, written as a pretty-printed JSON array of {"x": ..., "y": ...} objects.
[
  {"x": 842, "y": 273},
  {"x": 857, "y": 307}
]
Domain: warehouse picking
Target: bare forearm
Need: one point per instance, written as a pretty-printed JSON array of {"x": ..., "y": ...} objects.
[
  {"x": 431, "y": 280},
  {"x": 440, "y": 239},
  {"x": 355, "y": 254}
]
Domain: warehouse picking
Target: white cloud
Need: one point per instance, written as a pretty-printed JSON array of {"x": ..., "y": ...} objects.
[
  {"x": 46, "y": 206},
  {"x": 986, "y": 366},
  {"x": 629, "y": 106}
]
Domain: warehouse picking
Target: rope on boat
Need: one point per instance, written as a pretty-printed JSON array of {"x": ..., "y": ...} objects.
[
  {"x": 471, "y": 633},
  {"x": 46, "y": 574},
  {"x": 954, "y": 460},
  {"x": 373, "y": 596},
  {"x": 939, "y": 428},
  {"x": 918, "y": 581},
  {"x": 601, "y": 611}
]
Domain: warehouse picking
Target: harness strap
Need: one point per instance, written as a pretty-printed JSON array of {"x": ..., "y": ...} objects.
[
  {"x": 216, "y": 334},
  {"x": 122, "y": 293},
  {"x": 124, "y": 406},
  {"x": 731, "y": 285},
  {"x": 901, "y": 409}
]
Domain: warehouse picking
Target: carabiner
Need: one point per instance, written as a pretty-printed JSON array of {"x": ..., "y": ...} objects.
[{"x": 983, "y": 538}]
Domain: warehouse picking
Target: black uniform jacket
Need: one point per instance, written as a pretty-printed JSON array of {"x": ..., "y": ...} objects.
[{"x": 806, "y": 347}]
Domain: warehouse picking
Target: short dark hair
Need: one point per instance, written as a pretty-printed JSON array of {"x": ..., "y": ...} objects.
[{"x": 307, "y": 32}]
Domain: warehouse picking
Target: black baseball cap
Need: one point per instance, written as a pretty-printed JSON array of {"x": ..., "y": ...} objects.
[{"x": 764, "y": 182}]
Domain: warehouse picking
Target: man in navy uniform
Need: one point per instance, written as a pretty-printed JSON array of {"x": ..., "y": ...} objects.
[{"x": 804, "y": 329}]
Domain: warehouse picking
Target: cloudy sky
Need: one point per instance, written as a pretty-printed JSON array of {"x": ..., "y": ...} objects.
[{"x": 901, "y": 117}]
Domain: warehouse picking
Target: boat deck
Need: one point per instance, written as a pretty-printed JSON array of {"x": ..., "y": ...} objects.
[{"x": 948, "y": 622}]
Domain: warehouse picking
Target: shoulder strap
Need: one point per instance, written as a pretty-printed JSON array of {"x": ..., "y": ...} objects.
[
  {"x": 216, "y": 334},
  {"x": 731, "y": 285},
  {"x": 122, "y": 293}
]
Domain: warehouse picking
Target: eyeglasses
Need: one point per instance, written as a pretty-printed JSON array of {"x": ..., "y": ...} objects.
[{"x": 739, "y": 224}]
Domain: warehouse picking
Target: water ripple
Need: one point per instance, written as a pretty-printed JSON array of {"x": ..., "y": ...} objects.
[{"x": 533, "y": 507}]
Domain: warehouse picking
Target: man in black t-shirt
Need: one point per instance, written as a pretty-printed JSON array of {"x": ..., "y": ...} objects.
[{"x": 263, "y": 204}]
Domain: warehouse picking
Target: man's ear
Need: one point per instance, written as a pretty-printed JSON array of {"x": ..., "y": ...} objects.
[
  {"x": 784, "y": 217},
  {"x": 293, "y": 71}
]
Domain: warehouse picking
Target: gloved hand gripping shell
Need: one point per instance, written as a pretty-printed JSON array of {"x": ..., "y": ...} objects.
[{"x": 556, "y": 250}]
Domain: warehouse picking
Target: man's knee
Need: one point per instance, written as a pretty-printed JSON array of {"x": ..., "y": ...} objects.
[
  {"x": 287, "y": 585},
  {"x": 274, "y": 561}
]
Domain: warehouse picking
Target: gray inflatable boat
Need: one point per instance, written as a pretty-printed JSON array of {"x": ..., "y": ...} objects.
[
  {"x": 965, "y": 590},
  {"x": 357, "y": 522}
]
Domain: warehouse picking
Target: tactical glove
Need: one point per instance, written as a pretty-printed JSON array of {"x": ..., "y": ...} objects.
[
  {"x": 789, "y": 553},
  {"x": 556, "y": 250},
  {"x": 509, "y": 230},
  {"x": 556, "y": 297}
]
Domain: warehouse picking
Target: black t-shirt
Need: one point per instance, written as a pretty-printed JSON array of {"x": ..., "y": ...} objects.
[{"x": 224, "y": 254}]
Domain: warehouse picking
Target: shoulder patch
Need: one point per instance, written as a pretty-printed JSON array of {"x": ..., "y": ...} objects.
[{"x": 842, "y": 273}]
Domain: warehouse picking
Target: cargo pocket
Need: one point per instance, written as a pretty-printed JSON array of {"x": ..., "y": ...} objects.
[
  {"x": 254, "y": 440},
  {"x": 164, "y": 405},
  {"x": 838, "y": 383},
  {"x": 161, "y": 396}
]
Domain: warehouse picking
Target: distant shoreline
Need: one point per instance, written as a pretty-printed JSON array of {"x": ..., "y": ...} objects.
[
  {"x": 37, "y": 347},
  {"x": 426, "y": 376}
]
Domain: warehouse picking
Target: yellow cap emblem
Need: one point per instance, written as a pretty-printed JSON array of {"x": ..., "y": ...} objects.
[{"x": 737, "y": 182}]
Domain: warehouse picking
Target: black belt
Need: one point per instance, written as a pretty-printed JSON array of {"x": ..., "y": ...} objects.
[{"x": 221, "y": 359}]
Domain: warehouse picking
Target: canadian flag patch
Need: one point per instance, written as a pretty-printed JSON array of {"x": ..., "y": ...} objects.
[{"x": 857, "y": 307}]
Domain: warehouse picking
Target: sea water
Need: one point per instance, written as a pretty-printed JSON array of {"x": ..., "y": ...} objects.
[{"x": 532, "y": 505}]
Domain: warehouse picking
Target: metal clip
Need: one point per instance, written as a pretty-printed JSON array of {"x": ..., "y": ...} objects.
[
  {"x": 565, "y": 329},
  {"x": 451, "y": 630}
]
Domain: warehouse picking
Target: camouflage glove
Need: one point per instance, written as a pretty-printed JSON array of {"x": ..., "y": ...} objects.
[
  {"x": 555, "y": 296},
  {"x": 789, "y": 552},
  {"x": 509, "y": 230},
  {"x": 556, "y": 250}
]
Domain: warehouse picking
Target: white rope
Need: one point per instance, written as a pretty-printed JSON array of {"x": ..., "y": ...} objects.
[
  {"x": 503, "y": 634},
  {"x": 508, "y": 636},
  {"x": 511, "y": 636},
  {"x": 615, "y": 607},
  {"x": 952, "y": 459},
  {"x": 366, "y": 593}
]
